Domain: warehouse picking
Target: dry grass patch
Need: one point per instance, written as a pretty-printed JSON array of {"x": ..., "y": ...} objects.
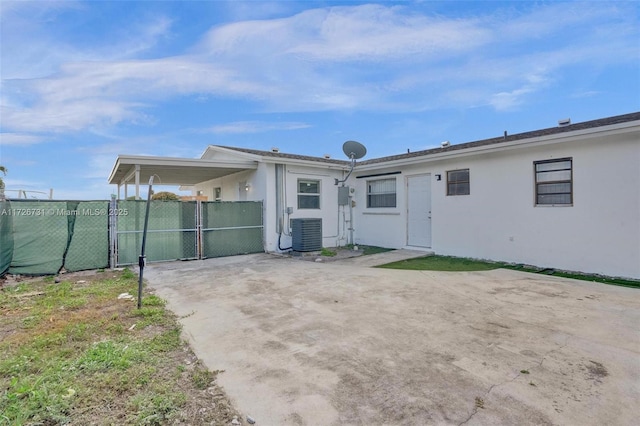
[{"x": 73, "y": 353}]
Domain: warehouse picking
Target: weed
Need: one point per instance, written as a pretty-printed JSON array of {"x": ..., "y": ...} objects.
[
  {"x": 479, "y": 402},
  {"x": 31, "y": 321},
  {"x": 151, "y": 315},
  {"x": 152, "y": 300},
  {"x": 107, "y": 355},
  {"x": 532, "y": 384},
  {"x": 166, "y": 341},
  {"x": 524, "y": 371},
  {"x": 327, "y": 252},
  {"x": 201, "y": 378},
  {"x": 127, "y": 274}
]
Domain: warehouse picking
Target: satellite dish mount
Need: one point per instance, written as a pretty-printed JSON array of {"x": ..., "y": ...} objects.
[{"x": 355, "y": 151}]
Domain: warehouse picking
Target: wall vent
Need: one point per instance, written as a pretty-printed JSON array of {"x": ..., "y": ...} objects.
[
  {"x": 306, "y": 234},
  {"x": 564, "y": 122}
]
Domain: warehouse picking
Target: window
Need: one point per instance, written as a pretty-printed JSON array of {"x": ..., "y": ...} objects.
[
  {"x": 308, "y": 194},
  {"x": 554, "y": 182},
  {"x": 381, "y": 193},
  {"x": 458, "y": 182}
]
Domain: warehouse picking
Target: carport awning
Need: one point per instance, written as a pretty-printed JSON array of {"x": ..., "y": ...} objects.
[{"x": 173, "y": 171}]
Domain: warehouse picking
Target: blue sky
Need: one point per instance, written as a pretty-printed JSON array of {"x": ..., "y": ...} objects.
[{"x": 85, "y": 81}]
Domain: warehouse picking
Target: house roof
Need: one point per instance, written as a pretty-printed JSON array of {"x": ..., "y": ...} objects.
[
  {"x": 276, "y": 154},
  {"x": 505, "y": 139},
  {"x": 189, "y": 171}
]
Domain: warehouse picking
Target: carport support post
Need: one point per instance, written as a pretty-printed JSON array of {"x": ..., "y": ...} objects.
[
  {"x": 142, "y": 259},
  {"x": 137, "y": 180}
]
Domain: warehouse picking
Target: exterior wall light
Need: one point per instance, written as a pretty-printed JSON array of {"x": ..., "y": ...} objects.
[{"x": 438, "y": 177}]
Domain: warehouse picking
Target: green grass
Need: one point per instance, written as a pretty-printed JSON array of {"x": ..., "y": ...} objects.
[
  {"x": 459, "y": 264},
  {"x": 441, "y": 263},
  {"x": 69, "y": 354},
  {"x": 327, "y": 252}
]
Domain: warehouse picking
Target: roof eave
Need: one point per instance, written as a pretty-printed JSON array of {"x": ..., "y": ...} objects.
[{"x": 504, "y": 146}]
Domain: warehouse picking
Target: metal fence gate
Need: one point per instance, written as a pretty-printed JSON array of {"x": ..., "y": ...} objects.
[{"x": 181, "y": 230}]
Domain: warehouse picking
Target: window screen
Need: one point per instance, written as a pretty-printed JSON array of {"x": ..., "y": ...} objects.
[
  {"x": 458, "y": 182},
  {"x": 381, "y": 193}
]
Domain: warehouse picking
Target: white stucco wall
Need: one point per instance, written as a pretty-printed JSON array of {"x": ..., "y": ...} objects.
[
  {"x": 600, "y": 233},
  {"x": 384, "y": 227},
  {"x": 262, "y": 187},
  {"x": 333, "y": 216}
]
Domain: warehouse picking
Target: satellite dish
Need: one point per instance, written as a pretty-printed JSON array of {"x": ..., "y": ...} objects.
[{"x": 354, "y": 150}]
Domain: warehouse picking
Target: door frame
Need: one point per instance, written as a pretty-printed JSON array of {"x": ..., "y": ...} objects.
[{"x": 407, "y": 197}]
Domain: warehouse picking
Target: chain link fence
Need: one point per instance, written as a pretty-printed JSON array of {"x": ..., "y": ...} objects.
[{"x": 43, "y": 237}]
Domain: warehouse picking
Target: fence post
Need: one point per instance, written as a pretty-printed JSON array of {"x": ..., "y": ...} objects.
[
  {"x": 113, "y": 232},
  {"x": 199, "y": 229}
]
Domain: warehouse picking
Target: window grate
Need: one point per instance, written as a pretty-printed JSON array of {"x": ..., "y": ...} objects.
[
  {"x": 458, "y": 182},
  {"x": 381, "y": 193}
]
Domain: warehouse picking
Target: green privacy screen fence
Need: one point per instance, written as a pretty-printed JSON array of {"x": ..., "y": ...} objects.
[
  {"x": 171, "y": 234},
  {"x": 229, "y": 228},
  {"x": 45, "y": 237}
]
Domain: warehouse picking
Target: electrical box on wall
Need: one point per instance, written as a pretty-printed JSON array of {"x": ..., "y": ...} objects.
[{"x": 343, "y": 195}]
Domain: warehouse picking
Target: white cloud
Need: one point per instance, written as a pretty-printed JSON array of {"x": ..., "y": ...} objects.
[
  {"x": 586, "y": 94},
  {"x": 371, "y": 57},
  {"x": 31, "y": 49},
  {"x": 508, "y": 100},
  {"x": 255, "y": 127},
  {"x": 19, "y": 139},
  {"x": 353, "y": 33}
]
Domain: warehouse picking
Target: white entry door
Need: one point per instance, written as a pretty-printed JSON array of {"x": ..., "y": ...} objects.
[{"x": 419, "y": 210}]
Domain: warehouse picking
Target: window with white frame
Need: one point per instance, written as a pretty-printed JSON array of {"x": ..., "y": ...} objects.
[
  {"x": 381, "y": 193},
  {"x": 458, "y": 182},
  {"x": 308, "y": 194},
  {"x": 554, "y": 181}
]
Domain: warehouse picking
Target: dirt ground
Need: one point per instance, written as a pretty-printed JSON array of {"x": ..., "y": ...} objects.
[
  {"x": 340, "y": 343},
  {"x": 107, "y": 400}
]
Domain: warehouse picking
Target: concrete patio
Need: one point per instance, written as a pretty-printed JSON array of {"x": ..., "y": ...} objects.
[{"x": 341, "y": 343}]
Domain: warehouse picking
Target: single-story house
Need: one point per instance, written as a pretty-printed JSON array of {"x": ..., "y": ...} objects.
[{"x": 566, "y": 197}]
